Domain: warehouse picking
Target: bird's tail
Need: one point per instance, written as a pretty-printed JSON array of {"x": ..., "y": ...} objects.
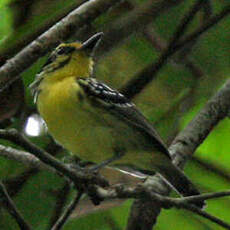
[{"x": 180, "y": 182}]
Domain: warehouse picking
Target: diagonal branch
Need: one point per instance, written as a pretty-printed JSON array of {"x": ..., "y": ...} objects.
[
  {"x": 180, "y": 30},
  {"x": 207, "y": 216},
  {"x": 133, "y": 87},
  {"x": 10, "y": 47},
  {"x": 184, "y": 145},
  {"x": 77, "y": 176},
  {"x": 132, "y": 22},
  {"x": 139, "y": 82},
  {"x": 23, "y": 157},
  {"x": 164, "y": 201},
  {"x": 62, "y": 220},
  {"x": 69, "y": 25},
  {"x": 123, "y": 192},
  {"x": 12, "y": 209},
  {"x": 210, "y": 23},
  {"x": 61, "y": 199},
  {"x": 213, "y": 167},
  {"x": 84, "y": 14}
]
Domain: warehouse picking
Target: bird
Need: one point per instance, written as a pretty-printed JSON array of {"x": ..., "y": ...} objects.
[{"x": 96, "y": 122}]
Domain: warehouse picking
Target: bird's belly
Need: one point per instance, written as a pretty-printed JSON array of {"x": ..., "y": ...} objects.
[
  {"x": 88, "y": 142},
  {"x": 75, "y": 128}
]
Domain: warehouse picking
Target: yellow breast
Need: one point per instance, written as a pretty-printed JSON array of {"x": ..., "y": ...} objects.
[{"x": 71, "y": 123}]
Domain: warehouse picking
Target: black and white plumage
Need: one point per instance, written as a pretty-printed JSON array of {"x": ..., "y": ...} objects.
[
  {"x": 101, "y": 91},
  {"x": 122, "y": 108}
]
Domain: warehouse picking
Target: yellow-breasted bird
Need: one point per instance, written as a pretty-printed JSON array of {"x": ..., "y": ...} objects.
[{"x": 96, "y": 122}]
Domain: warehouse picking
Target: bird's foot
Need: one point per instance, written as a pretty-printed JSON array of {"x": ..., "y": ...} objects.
[{"x": 97, "y": 167}]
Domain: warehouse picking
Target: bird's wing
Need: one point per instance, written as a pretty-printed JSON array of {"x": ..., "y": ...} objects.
[{"x": 118, "y": 105}]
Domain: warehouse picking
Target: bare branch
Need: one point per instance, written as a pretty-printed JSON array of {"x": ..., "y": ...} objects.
[
  {"x": 62, "y": 220},
  {"x": 9, "y": 204},
  {"x": 132, "y": 22},
  {"x": 61, "y": 198},
  {"x": 129, "y": 90},
  {"x": 214, "y": 167},
  {"x": 62, "y": 30},
  {"x": 206, "y": 196},
  {"x": 23, "y": 157},
  {"x": 77, "y": 176},
  {"x": 207, "y": 216},
  {"x": 185, "y": 144},
  {"x": 160, "y": 45},
  {"x": 149, "y": 73},
  {"x": 168, "y": 202},
  {"x": 210, "y": 23},
  {"x": 142, "y": 190},
  {"x": 132, "y": 88},
  {"x": 10, "y": 47},
  {"x": 198, "y": 129},
  {"x": 163, "y": 201}
]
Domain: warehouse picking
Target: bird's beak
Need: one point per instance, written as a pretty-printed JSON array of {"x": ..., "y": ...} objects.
[{"x": 91, "y": 44}]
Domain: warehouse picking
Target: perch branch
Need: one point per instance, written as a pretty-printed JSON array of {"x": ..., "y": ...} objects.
[
  {"x": 146, "y": 193},
  {"x": 77, "y": 176}
]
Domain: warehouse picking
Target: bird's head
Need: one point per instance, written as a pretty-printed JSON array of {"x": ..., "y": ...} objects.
[
  {"x": 67, "y": 60},
  {"x": 72, "y": 59}
]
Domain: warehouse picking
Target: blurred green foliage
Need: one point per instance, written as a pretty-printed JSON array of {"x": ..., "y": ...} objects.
[
  {"x": 36, "y": 198},
  {"x": 6, "y": 20}
]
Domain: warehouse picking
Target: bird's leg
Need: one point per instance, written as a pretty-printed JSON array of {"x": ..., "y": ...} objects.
[
  {"x": 118, "y": 153},
  {"x": 105, "y": 163}
]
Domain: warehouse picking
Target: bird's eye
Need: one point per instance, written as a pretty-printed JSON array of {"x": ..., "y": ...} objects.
[
  {"x": 61, "y": 50},
  {"x": 65, "y": 50}
]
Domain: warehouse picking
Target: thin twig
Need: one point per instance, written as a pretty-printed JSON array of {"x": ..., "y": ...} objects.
[
  {"x": 23, "y": 157},
  {"x": 146, "y": 75},
  {"x": 206, "y": 13},
  {"x": 207, "y": 216},
  {"x": 213, "y": 167},
  {"x": 160, "y": 45},
  {"x": 129, "y": 90},
  {"x": 9, "y": 204},
  {"x": 182, "y": 58},
  {"x": 123, "y": 27},
  {"x": 61, "y": 198},
  {"x": 15, "y": 184},
  {"x": 164, "y": 201},
  {"x": 210, "y": 23},
  {"x": 180, "y": 30},
  {"x": 206, "y": 196},
  {"x": 62, "y": 220}
]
